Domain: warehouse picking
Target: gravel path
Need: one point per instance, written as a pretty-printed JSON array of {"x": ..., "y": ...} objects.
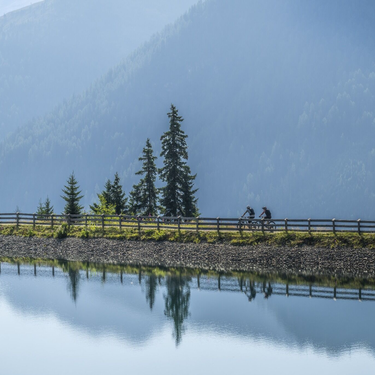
[{"x": 300, "y": 260}]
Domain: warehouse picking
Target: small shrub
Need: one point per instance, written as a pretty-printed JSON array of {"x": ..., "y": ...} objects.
[
  {"x": 84, "y": 233},
  {"x": 30, "y": 233},
  {"x": 62, "y": 231}
]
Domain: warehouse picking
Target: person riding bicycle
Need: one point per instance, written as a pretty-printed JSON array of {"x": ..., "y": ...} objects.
[
  {"x": 250, "y": 211},
  {"x": 267, "y": 214}
]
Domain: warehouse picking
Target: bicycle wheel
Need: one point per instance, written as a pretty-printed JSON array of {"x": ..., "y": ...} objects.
[
  {"x": 253, "y": 226},
  {"x": 271, "y": 226}
]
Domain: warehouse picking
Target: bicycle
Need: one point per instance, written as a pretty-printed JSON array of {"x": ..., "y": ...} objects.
[
  {"x": 269, "y": 225},
  {"x": 247, "y": 222}
]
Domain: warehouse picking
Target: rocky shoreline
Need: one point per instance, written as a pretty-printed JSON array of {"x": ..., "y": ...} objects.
[{"x": 337, "y": 262}]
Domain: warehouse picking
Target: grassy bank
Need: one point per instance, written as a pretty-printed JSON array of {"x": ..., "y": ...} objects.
[{"x": 290, "y": 239}]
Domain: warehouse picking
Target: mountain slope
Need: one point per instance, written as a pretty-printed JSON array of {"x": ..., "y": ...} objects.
[
  {"x": 7, "y": 6},
  {"x": 278, "y": 102},
  {"x": 55, "y": 48}
]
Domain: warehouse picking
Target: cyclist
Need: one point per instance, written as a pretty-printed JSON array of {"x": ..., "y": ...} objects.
[
  {"x": 267, "y": 214},
  {"x": 250, "y": 212}
]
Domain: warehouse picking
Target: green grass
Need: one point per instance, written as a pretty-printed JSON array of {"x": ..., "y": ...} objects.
[{"x": 290, "y": 239}]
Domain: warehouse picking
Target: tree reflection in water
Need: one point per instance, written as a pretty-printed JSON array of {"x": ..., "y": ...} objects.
[
  {"x": 73, "y": 284},
  {"x": 151, "y": 284},
  {"x": 177, "y": 302}
]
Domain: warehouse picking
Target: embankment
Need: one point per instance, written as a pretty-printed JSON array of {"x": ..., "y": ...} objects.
[{"x": 299, "y": 260}]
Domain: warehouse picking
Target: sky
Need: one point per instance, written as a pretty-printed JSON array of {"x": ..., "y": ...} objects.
[{"x": 7, "y": 6}]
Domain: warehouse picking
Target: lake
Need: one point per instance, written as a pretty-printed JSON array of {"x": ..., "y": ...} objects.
[{"x": 67, "y": 318}]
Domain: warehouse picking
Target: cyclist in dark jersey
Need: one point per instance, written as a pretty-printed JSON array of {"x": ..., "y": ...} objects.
[
  {"x": 267, "y": 213},
  {"x": 250, "y": 212}
]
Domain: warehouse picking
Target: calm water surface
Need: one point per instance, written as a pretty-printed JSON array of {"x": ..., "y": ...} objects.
[{"x": 76, "y": 322}]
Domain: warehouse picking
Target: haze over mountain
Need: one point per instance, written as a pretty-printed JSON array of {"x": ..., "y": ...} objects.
[
  {"x": 278, "y": 99},
  {"x": 56, "y": 48},
  {"x": 7, "y": 6}
]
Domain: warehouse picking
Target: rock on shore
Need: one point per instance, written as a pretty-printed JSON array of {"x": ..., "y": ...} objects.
[{"x": 340, "y": 262}]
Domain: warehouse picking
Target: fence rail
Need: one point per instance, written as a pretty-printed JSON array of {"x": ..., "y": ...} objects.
[{"x": 190, "y": 223}]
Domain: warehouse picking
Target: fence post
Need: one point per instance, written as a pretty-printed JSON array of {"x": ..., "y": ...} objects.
[
  {"x": 120, "y": 222},
  {"x": 179, "y": 224},
  {"x": 51, "y": 221},
  {"x": 139, "y": 225},
  {"x": 334, "y": 226},
  {"x": 34, "y": 218},
  {"x": 17, "y": 220},
  {"x": 309, "y": 225},
  {"x": 262, "y": 224},
  {"x": 359, "y": 226},
  {"x": 68, "y": 219},
  {"x": 197, "y": 224},
  {"x": 103, "y": 222},
  {"x": 86, "y": 221},
  {"x": 158, "y": 222},
  {"x": 218, "y": 225},
  {"x": 286, "y": 225}
]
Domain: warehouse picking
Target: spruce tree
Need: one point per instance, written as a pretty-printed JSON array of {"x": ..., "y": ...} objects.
[
  {"x": 178, "y": 194},
  {"x": 48, "y": 209},
  {"x": 72, "y": 197},
  {"x": 104, "y": 197},
  {"x": 148, "y": 193},
  {"x": 44, "y": 210},
  {"x": 135, "y": 200},
  {"x": 107, "y": 192},
  {"x": 118, "y": 196},
  {"x": 103, "y": 208},
  {"x": 112, "y": 195},
  {"x": 189, "y": 202},
  {"x": 40, "y": 210}
]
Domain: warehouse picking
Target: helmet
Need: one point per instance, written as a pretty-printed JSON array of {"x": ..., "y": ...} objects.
[
  {"x": 248, "y": 207},
  {"x": 264, "y": 208}
]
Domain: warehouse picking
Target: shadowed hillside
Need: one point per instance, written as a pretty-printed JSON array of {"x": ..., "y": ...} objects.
[
  {"x": 55, "y": 48},
  {"x": 278, "y": 99}
]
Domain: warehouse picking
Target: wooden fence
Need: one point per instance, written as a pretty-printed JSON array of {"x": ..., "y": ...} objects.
[{"x": 190, "y": 223}]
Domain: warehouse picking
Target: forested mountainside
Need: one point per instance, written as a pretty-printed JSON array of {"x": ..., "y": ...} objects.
[
  {"x": 55, "y": 48},
  {"x": 278, "y": 99}
]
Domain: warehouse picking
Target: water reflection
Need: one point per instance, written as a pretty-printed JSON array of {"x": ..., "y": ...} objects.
[
  {"x": 177, "y": 300},
  {"x": 73, "y": 284},
  {"x": 151, "y": 283},
  {"x": 136, "y": 304}
]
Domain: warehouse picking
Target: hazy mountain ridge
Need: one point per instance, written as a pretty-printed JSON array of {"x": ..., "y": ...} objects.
[
  {"x": 7, "y": 6},
  {"x": 264, "y": 90},
  {"x": 55, "y": 48}
]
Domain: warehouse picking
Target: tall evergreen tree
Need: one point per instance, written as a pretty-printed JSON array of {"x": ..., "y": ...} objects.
[
  {"x": 72, "y": 196},
  {"x": 178, "y": 194},
  {"x": 189, "y": 202},
  {"x": 135, "y": 200},
  {"x": 148, "y": 193},
  {"x": 118, "y": 196},
  {"x": 107, "y": 192}
]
